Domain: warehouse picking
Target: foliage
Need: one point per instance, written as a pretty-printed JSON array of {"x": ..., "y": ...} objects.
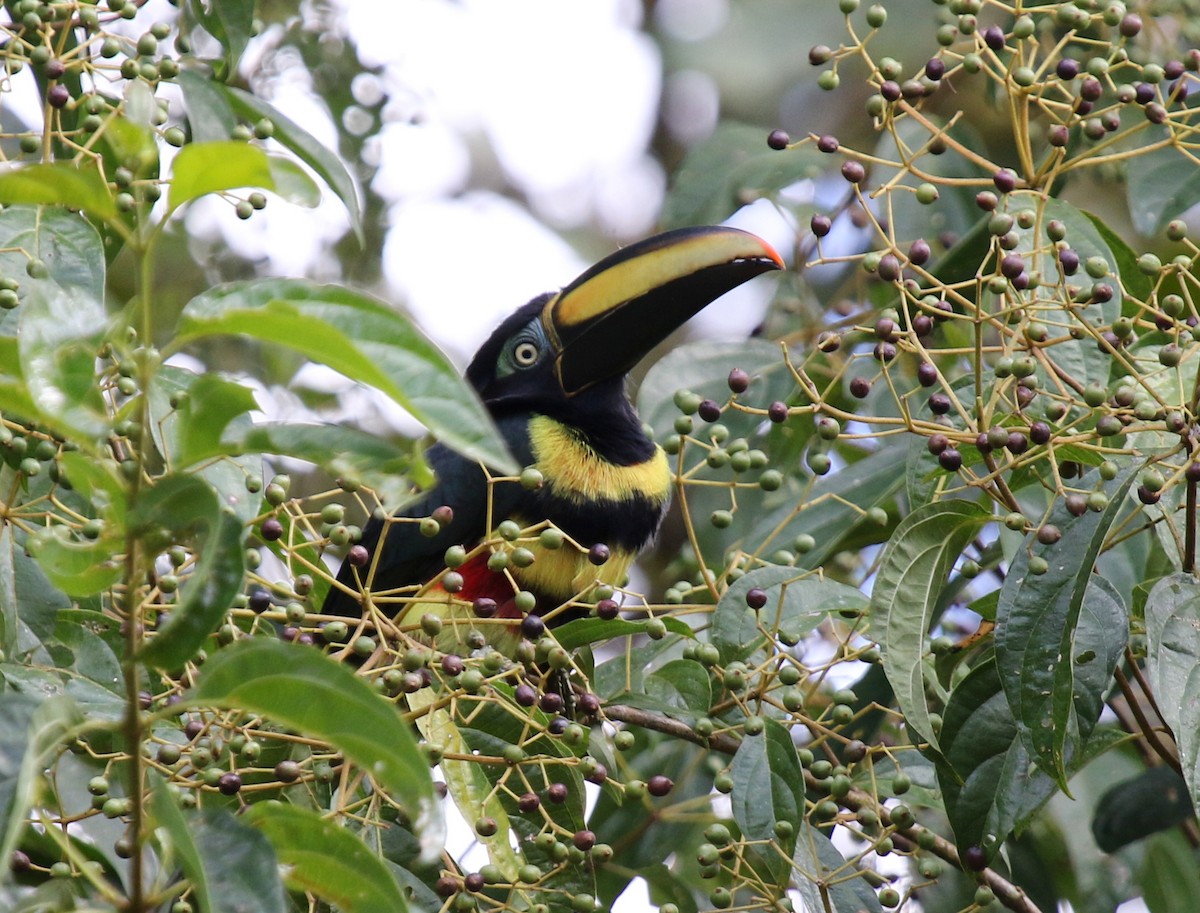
[{"x": 931, "y": 582}]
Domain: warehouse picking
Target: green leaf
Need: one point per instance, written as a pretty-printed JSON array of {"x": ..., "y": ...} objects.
[
  {"x": 59, "y": 184},
  {"x": 167, "y": 816},
  {"x": 239, "y": 865},
  {"x": 31, "y": 728},
  {"x": 211, "y": 403},
  {"x": 1036, "y": 617},
  {"x": 1169, "y": 878},
  {"x": 292, "y": 182},
  {"x": 231, "y": 22},
  {"x": 189, "y": 511},
  {"x": 583, "y": 631},
  {"x": 1164, "y": 185},
  {"x": 1155, "y": 800},
  {"x": 683, "y": 688},
  {"x": 327, "y": 860},
  {"x": 1173, "y": 633},
  {"x": 734, "y": 163},
  {"x": 343, "y": 452},
  {"x": 209, "y": 113},
  {"x": 364, "y": 340},
  {"x": 797, "y": 601},
  {"x": 827, "y": 881},
  {"x": 306, "y": 690},
  {"x": 65, "y": 241},
  {"x": 913, "y": 570},
  {"x": 78, "y": 567},
  {"x": 768, "y": 787},
  {"x": 328, "y": 165},
  {"x": 203, "y": 168}
]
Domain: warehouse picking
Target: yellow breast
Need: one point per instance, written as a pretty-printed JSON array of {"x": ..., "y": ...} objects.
[{"x": 575, "y": 471}]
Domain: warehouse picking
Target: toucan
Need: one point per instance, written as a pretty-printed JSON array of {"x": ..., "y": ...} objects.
[{"x": 552, "y": 376}]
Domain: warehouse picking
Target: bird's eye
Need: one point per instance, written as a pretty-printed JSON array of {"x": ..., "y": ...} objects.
[{"x": 525, "y": 354}]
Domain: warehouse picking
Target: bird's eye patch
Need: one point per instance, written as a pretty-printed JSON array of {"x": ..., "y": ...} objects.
[{"x": 525, "y": 354}]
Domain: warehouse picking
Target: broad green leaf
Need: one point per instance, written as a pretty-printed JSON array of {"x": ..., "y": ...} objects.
[
  {"x": 59, "y": 335},
  {"x": 1155, "y": 800},
  {"x": 344, "y": 452},
  {"x": 189, "y": 511},
  {"x": 364, "y": 340},
  {"x": 682, "y": 687},
  {"x": 65, "y": 241},
  {"x": 59, "y": 184},
  {"x": 913, "y": 570},
  {"x": 797, "y": 601},
  {"x": 240, "y": 866},
  {"x": 1173, "y": 632},
  {"x": 1164, "y": 185},
  {"x": 167, "y": 816},
  {"x": 1036, "y": 618},
  {"x": 327, "y": 860},
  {"x": 583, "y": 631},
  {"x": 211, "y": 403},
  {"x": 1134, "y": 281},
  {"x": 718, "y": 175},
  {"x": 827, "y": 881},
  {"x": 306, "y": 690},
  {"x": 1169, "y": 878},
  {"x": 9, "y": 620},
  {"x": 306, "y": 147},
  {"x": 78, "y": 567},
  {"x": 768, "y": 787},
  {"x": 202, "y": 168},
  {"x": 209, "y": 113},
  {"x": 292, "y": 182},
  {"x": 989, "y": 783},
  {"x": 31, "y": 727},
  {"x": 98, "y": 482}
]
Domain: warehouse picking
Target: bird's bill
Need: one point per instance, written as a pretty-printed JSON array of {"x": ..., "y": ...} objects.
[{"x": 608, "y": 319}]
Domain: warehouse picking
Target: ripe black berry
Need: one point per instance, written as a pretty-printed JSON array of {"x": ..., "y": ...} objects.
[
  {"x": 607, "y": 609},
  {"x": 828, "y": 143},
  {"x": 854, "y": 172},
  {"x": 659, "y": 785},
  {"x": 950, "y": 459},
  {"x": 821, "y": 225},
  {"x": 756, "y": 598},
  {"x": 778, "y": 139},
  {"x": 525, "y": 695},
  {"x": 598, "y": 554},
  {"x": 532, "y": 627},
  {"x": 229, "y": 784},
  {"x": 738, "y": 381},
  {"x": 859, "y": 387},
  {"x": 777, "y": 412},
  {"x": 709, "y": 410}
]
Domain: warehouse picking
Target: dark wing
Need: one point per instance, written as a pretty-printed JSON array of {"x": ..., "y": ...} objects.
[{"x": 406, "y": 556}]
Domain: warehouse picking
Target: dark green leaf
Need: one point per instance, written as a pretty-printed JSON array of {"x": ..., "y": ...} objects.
[
  {"x": 212, "y": 402},
  {"x": 167, "y": 815},
  {"x": 1173, "y": 632},
  {"x": 584, "y": 631},
  {"x": 65, "y": 241},
  {"x": 913, "y": 570},
  {"x": 292, "y": 182},
  {"x": 682, "y": 688},
  {"x": 1036, "y": 617},
  {"x": 768, "y": 787},
  {"x": 364, "y": 340},
  {"x": 327, "y": 860},
  {"x": 306, "y": 690},
  {"x": 203, "y": 168},
  {"x": 328, "y": 166},
  {"x": 1153, "y": 801},
  {"x": 239, "y": 865},
  {"x": 1164, "y": 184},
  {"x": 59, "y": 184},
  {"x": 189, "y": 511},
  {"x": 231, "y": 22},
  {"x": 797, "y": 601},
  {"x": 828, "y": 882}
]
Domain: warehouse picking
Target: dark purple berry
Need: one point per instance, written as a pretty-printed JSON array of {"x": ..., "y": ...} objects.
[
  {"x": 890, "y": 90},
  {"x": 1173, "y": 69},
  {"x": 557, "y": 793},
  {"x": 821, "y": 225},
  {"x": 446, "y": 886},
  {"x": 756, "y": 597},
  {"x": 939, "y": 404},
  {"x": 1069, "y": 260},
  {"x": 230, "y": 784},
  {"x": 859, "y": 387},
  {"x": 935, "y": 69},
  {"x": 1067, "y": 68},
  {"x": 528, "y": 802},
  {"x": 889, "y": 269},
  {"x": 709, "y": 410},
  {"x": 1005, "y": 180},
  {"x": 1146, "y": 496},
  {"x": 1048, "y": 534},
  {"x": 927, "y": 374},
  {"x": 271, "y": 529},
  {"x": 950, "y": 459},
  {"x": 287, "y": 771},
  {"x": 1156, "y": 113},
  {"x": 588, "y": 704},
  {"x": 452, "y": 664},
  {"x": 986, "y": 200},
  {"x": 532, "y": 627},
  {"x": 584, "y": 840},
  {"x": 358, "y": 556},
  {"x": 1039, "y": 432},
  {"x": 819, "y": 54},
  {"x": 54, "y": 68},
  {"x": 193, "y": 728},
  {"x": 525, "y": 694},
  {"x": 777, "y": 412},
  {"x": 599, "y": 554},
  {"x": 58, "y": 95},
  {"x": 1090, "y": 89},
  {"x": 919, "y": 251},
  {"x": 607, "y": 609},
  {"x": 551, "y": 702},
  {"x": 1017, "y": 442},
  {"x": 1143, "y": 93},
  {"x": 484, "y": 607},
  {"x": 884, "y": 351},
  {"x": 974, "y": 858},
  {"x": 659, "y": 785},
  {"x": 778, "y": 139},
  {"x": 828, "y": 143},
  {"x": 473, "y": 882},
  {"x": 937, "y": 443},
  {"x": 993, "y": 37},
  {"x": 444, "y": 515},
  {"x": 738, "y": 380},
  {"x": 1076, "y": 504},
  {"x": 260, "y": 601},
  {"x": 854, "y": 172}
]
